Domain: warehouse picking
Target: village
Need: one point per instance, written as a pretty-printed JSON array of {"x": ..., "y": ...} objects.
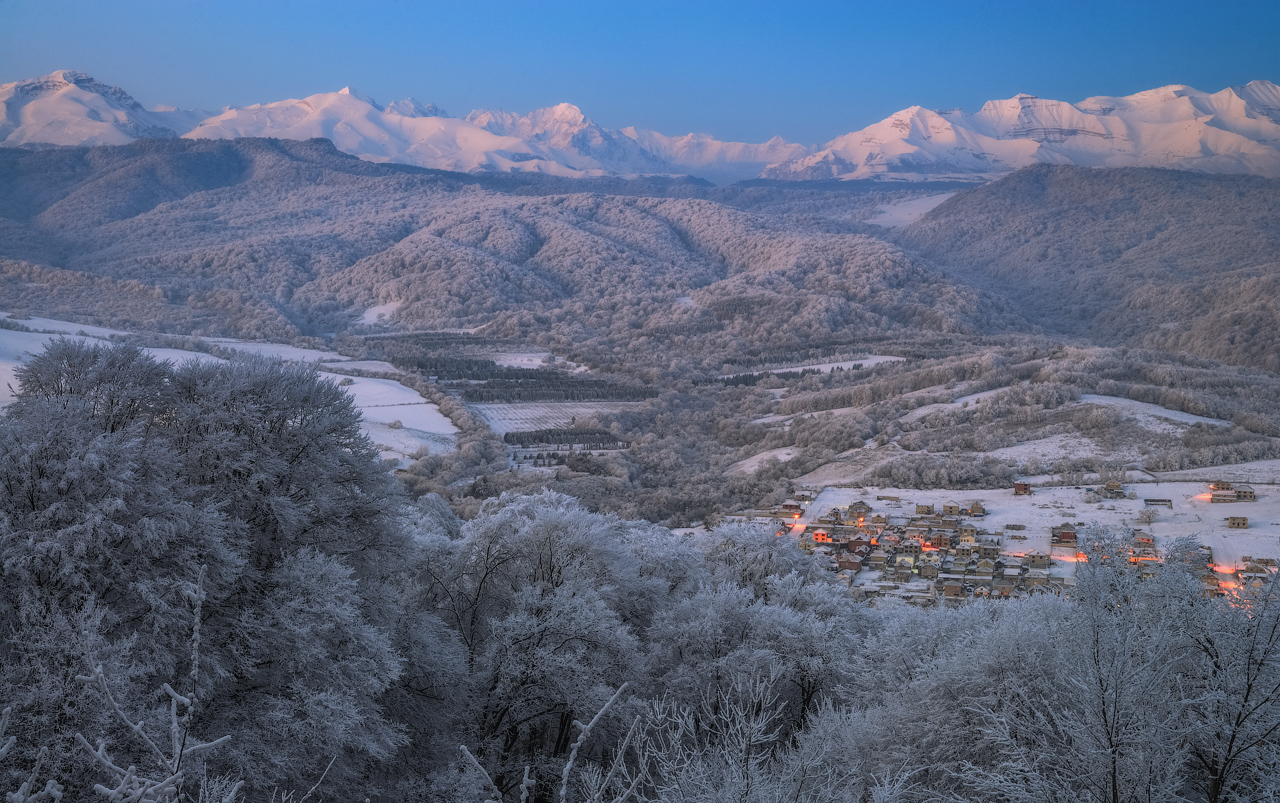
[{"x": 928, "y": 548}]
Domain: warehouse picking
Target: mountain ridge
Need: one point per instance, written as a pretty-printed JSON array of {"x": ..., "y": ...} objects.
[{"x": 1235, "y": 130}]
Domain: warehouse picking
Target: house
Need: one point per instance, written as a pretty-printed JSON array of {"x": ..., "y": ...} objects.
[
  {"x": 1003, "y": 587},
  {"x": 1238, "y": 522},
  {"x": 877, "y": 559},
  {"x": 1022, "y": 489},
  {"x": 791, "y": 506},
  {"x": 859, "y": 508},
  {"x": 821, "y": 537},
  {"x": 940, "y": 540},
  {"x": 1254, "y": 576},
  {"x": 953, "y": 588},
  {"x": 985, "y": 568},
  {"x": 878, "y": 520},
  {"x": 1220, "y": 485},
  {"x": 1209, "y": 583},
  {"x": 1063, "y": 535},
  {"x": 924, "y": 510},
  {"x": 975, "y": 508},
  {"x": 928, "y": 571},
  {"x": 1038, "y": 560},
  {"x": 950, "y": 509},
  {"x": 988, "y": 550},
  {"x": 1036, "y": 579},
  {"x": 1223, "y": 496},
  {"x": 1244, "y": 493},
  {"x": 967, "y": 529},
  {"x": 1112, "y": 490},
  {"x": 849, "y": 563},
  {"x": 910, "y": 547},
  {"x": 948, "y": 523}
]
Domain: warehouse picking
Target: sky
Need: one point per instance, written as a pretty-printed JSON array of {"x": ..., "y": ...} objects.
[{"x": 806, "y": 71}]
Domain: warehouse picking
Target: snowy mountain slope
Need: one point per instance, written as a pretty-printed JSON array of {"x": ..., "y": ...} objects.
[
  {"x": 714, "y": 159},
  {"x": 1236, "y": 130},
  {"x": 564, "y": 133},
  {"x": 357, "y": 125},
  {"x": 70, "y": 108}
]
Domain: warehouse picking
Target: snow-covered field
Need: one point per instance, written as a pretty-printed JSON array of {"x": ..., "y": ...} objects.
[
  {"x": 1144, "y": 410},
  {"x": 752, "y": 464},
  {"x": 380, "y": 313},
  {"x": 1061, "y": 447},
  {"x": 378, "y": 366},
  {"x": 66, "y": 327},
  {"x": 279, "y": 351},
  {"x": 18, "y": 346},
  {"x": 1257, "y": 472},
  {"x": 921, "y": 412},
  {"x": 904, "y": 212},
  {"x": 420, "y": 422},
  {"x": 1192, "y": 514},
  {"x": 533, "y": 359},
  {"x": 522, "y": 416},
  {"x": 381, "y": 401},
  {"x": 824, "y": 367}
]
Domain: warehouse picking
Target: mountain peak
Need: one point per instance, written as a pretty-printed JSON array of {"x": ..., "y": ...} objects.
[
  {"x": 412, "y": 107},
  {"x": 358, "y": 95}
]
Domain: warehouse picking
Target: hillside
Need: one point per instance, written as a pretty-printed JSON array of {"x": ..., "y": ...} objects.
[
  {"x": 269, "y": 238},
  {"x": 1159, "y": 258}
]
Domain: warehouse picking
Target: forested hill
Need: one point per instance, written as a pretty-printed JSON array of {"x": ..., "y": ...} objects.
[
  {"x": 265, "y": 238},
  {"x": 1167, "y": 259},
  {"x": 281, "y": 239}
]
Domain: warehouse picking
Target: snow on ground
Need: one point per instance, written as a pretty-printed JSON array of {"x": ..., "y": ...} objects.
[
  {"x": 179, "y": 356},
  {"x": 1192, "y": 514},
  {"x": 383, "y": 402},
  {"x": 380, "y": 313},
  {"x": 533, "y": 359},
  {"x": 15, "y": 347},
  {"x": 523, "y": 416},
  {"x": 904, "y": 212},
  {"x": 824, "y": 367},
  {"x": 1146, "y": 410},
  {"x": 66, "y": 327},
  {"x": 752, "y": 464},
  {"x": 278, "y": 350},
  {"x": 1257, "y": 471},
  {"x": 921, "y": 412},
  {"x": 378, "y": 366},
  {"x": 1061, "y": 447}
]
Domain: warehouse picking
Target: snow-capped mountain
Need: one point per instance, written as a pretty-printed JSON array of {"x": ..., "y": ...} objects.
[
  {"x": 566, "y": 135},
  {"x": 359, "y": 126},
  {"x": 716, "y": 160},
  {"x": 1236, "y": 130},
  {"x": 70, "y": 108}
]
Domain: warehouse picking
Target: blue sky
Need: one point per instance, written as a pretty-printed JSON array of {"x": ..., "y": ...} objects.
[{"x": 747, "y": 71}]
